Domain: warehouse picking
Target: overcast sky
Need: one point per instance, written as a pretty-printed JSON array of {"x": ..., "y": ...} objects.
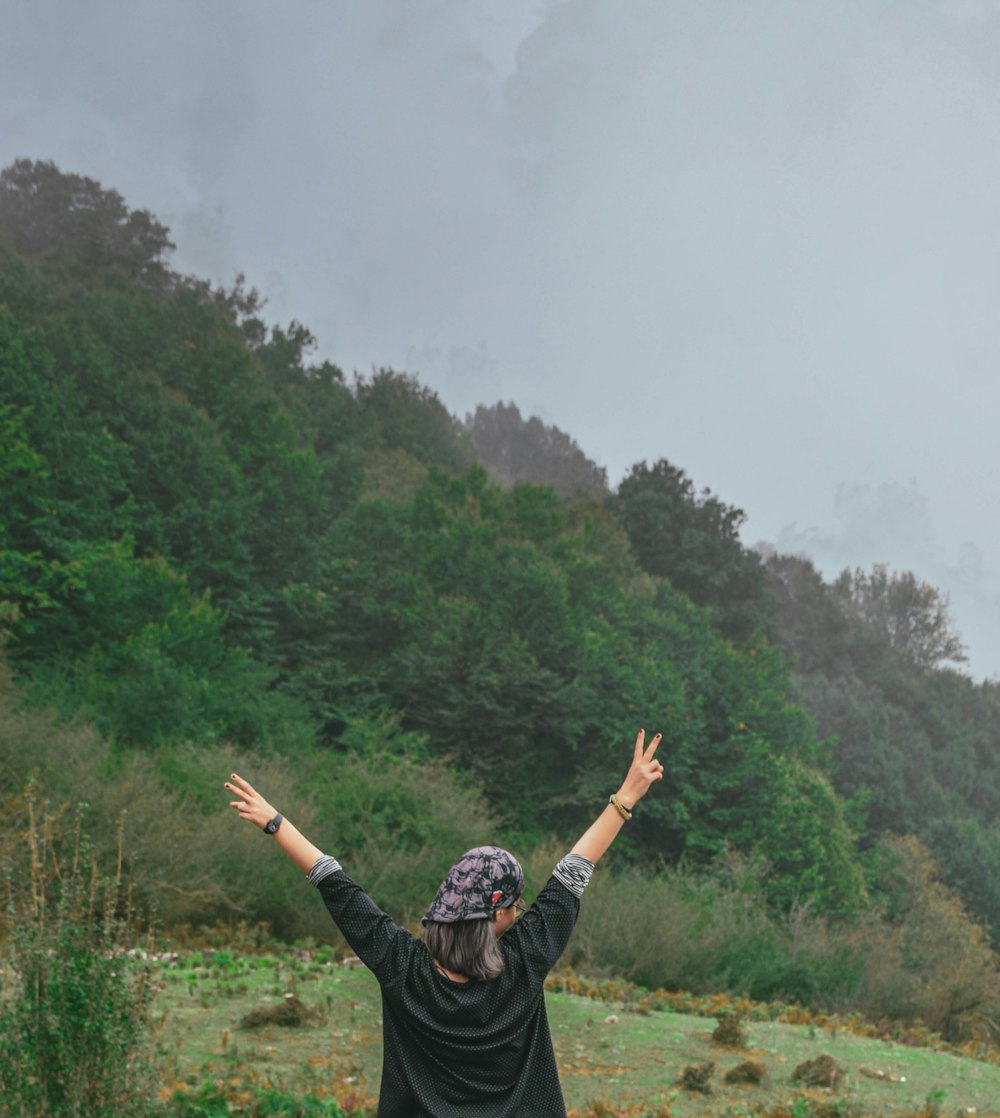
[{"x": 760, "y": 239}]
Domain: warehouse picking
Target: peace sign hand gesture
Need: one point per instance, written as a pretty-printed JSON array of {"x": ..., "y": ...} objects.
[
  {"x": 644, "y": 771},
  {"x": 251, "y": 805}
]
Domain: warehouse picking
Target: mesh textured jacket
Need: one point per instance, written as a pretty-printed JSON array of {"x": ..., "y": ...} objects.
[{"x": 461, "y": 1049}]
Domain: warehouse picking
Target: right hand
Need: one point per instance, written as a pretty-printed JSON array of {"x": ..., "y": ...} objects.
[{"x": 644, "y": 771}]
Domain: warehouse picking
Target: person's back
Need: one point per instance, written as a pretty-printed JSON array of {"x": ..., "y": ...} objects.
[
  {"x": 464, "y": 1024},
  {"x": 479, "y": 1049}
]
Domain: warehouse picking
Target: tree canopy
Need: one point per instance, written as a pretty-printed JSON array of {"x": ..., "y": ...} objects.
[{"x": 207, "y": 536}]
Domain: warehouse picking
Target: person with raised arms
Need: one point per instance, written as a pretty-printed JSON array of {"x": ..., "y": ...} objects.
[{"x": 464, "y": 1026}]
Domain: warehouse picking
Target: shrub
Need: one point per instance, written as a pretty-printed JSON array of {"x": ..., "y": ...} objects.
[
  {"x": 681, "y": 929},
  {"x": 942, "y": 970},
  {"x": 730, "y": 1031},
  {"x": 75, "y": 1008}
]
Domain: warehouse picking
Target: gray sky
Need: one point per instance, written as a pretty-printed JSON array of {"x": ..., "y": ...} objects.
[{"x": 759, "y": 239}]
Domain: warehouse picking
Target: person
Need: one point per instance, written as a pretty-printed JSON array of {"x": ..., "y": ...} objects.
[{"x": 464, "y": 1026}]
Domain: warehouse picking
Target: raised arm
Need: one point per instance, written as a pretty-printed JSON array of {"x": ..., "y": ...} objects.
[
  {"x": 644, "y": 771},
  {"x": 252, "y": 806}
]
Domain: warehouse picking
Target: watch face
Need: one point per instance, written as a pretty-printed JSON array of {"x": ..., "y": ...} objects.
[{"x": 272, "y": 826}]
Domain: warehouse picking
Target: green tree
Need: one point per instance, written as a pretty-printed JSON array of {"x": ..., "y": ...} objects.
[
  {"x": 396, "y": 411},
  {"x": 911, "y": 616},
  {"x": 968, "y": 853},
  {"x": 808, "y": 844},
  {"x": 513, "y": 449},
  {"x": 811, "y": 622},
  {"x": 958, "y": 984},
  {"x": 692, "y": 539},
  {"x": 42, "y": 210}
]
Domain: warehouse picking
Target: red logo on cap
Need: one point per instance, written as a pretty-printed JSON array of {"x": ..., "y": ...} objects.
[{"x": 496, "y": 896}]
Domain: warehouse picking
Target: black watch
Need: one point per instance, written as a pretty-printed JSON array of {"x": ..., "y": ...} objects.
[{"x": 271, "y": 827}]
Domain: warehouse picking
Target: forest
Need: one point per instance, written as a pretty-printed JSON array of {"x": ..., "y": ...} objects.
[{"x": 419, "y": 631}]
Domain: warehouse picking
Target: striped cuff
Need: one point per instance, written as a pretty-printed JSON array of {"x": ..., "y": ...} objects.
[
  {"x": 574, "y": 872},
  {"x": 322, "y": 868}
]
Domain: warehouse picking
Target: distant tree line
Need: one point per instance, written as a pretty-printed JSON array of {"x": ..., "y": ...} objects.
[{"x": 207, "y": 537}]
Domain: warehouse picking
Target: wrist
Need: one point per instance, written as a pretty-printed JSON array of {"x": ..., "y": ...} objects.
[
  {"x": 623, "y": 811},
  {"x": 627, "y": 800}
]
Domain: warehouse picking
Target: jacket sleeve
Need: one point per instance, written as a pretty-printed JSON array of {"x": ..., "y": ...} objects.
[
  {"x": 542, "y": 933},
  {"x": 378, "y": 941}
]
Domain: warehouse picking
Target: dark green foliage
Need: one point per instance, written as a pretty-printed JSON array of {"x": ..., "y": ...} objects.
[
  {"x": 913, "y": 743},
  {"x": 213, "y": 539},
  {"x": 397, "y": 411},
  {"x": 43, "y": 210},
  {"x": 208, "y": 542},
  {"x": 968, "y": 852},
  {"x": 811, "y": 623},
  {"x": 880, "y": 757},
  {"x": 210, "y": 1102},
  {"x": 692, "y": 539}
]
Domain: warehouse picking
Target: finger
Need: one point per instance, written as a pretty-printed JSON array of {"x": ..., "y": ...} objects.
[
  {"x": 243, "y": 785},
  {"x": 235, "y": 791},
  {"x": 648, "y": 755},
  {"x": 640, "y": 737}
]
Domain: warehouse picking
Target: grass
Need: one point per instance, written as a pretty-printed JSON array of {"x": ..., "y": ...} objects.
[{"x": 618, "y": 1054}]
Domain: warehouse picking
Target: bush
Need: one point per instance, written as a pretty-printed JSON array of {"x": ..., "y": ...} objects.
[
  {"x": 709, "y": 932},
  {"x": 682, "y": 929},
  {"x": 210, "y": 1102},
  {"x": 76, "y": 1001},
  {"x": 942, "y": 969}
]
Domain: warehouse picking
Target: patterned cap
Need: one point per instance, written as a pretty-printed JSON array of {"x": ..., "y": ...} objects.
[{"x": 481, "y": 881}]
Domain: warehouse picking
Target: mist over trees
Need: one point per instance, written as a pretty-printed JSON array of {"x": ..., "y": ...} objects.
[
  {"x": 208, "y": 541},
  {"x": 514, "y": 449}
]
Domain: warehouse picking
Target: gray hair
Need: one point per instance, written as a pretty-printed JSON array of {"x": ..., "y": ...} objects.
[{"x": 468, "y": 947}]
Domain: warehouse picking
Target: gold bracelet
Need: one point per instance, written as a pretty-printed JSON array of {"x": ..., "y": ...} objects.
[{"x": 622, "y": 810}]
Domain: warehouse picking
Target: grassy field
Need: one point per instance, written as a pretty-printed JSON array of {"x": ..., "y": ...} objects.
[{"x": 615, "y": 1057}]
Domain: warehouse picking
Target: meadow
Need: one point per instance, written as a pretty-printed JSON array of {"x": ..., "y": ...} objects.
[{"x": 235, "y": 1026}]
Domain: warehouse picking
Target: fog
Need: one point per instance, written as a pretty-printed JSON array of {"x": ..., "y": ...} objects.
[{"x": 760, "y": 240}]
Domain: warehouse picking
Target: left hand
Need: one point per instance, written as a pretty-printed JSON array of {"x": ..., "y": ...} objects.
[
  {"x": 643, "y": 772},
  {"x": 250, "y": 805}
]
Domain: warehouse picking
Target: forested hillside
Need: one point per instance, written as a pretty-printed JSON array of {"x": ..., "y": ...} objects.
[{"x": 210, "y": 541}]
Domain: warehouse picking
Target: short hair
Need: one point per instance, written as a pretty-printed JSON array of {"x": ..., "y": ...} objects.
[{"x": 468, "y": 947}]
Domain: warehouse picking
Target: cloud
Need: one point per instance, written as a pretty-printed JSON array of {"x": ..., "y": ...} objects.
[
  {"x": 892, "y": 523},
  {"x": 756, "y": 239}
]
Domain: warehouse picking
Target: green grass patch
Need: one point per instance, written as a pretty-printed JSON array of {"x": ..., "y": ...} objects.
[{"x": 620, "y": 1051}]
